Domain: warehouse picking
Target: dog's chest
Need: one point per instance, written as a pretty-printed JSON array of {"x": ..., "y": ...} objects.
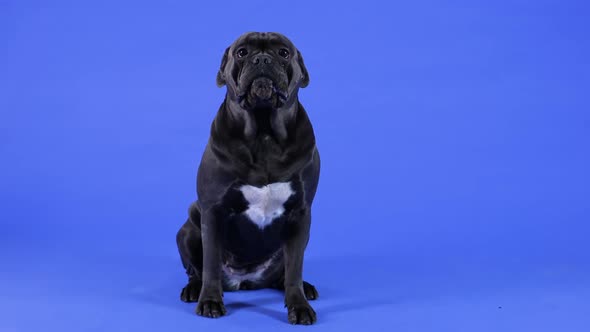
[{"x": 267, "y": 203}]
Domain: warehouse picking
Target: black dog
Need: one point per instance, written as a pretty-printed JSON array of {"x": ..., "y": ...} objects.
[{"x": 256, "y": 183}]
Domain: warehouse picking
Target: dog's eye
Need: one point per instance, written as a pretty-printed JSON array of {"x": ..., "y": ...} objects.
[
  {"x": 284, "y": 53},
  {"x": 242, "y": 52}
]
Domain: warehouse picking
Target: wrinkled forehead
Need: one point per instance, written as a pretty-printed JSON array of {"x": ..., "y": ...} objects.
[{"x": 262, "y": 40}]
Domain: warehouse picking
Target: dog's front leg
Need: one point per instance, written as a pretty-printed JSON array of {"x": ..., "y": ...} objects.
[
  {"x": 299, "y": 310},
  {"x": 211, "y": 298}
]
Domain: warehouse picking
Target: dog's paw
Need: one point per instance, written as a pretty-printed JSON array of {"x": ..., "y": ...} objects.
[
  {"x": 310, "y": 292},
  {"x": 191, "y": 292},
  {"x": 212, "y": 309},
  {"x": 301, "y": 314}
]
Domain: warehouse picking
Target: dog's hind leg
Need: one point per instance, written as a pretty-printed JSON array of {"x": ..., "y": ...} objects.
[{"x": 190, "y": 248}]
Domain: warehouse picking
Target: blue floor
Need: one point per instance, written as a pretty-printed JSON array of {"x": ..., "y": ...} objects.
[
  {"x": 454, "y": 193},
  {"x": 120, "y": 291}
]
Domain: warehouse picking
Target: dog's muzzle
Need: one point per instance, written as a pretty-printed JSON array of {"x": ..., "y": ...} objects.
[{"x": 262, "y": 88}]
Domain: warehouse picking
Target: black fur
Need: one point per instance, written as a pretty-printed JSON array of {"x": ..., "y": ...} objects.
[{"x": 256, "y": 139}]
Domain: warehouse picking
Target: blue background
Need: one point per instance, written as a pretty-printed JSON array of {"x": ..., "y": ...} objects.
[{"x": 454, "y": 193}]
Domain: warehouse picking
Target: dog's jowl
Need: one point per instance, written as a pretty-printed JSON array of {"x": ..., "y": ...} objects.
[{"x": 256, "y": 182}]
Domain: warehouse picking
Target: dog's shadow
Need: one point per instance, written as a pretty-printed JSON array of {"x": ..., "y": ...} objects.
[
  {"x": 168, "y": 296},
  {"x": 165, "y": 292},
  {"x": 163, "y": 289},
  {"x": 257, "y": 306}
]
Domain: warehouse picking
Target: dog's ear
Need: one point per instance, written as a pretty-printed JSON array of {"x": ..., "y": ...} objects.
[
  {"x": 221, "y": 73},
  {"x": 304, "y": 74}
]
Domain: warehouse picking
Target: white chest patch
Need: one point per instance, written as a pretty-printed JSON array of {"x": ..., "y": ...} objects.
[{"x": 266, "y": 203}]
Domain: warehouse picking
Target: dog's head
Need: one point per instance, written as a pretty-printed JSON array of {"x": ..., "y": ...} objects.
[{"x": 262, "y": 69}]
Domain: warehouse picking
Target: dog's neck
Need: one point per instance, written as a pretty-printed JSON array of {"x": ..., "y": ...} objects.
[{"x": 263, "y": 120}]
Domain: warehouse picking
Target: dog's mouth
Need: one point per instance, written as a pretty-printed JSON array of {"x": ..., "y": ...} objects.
[
  {"x": 262, "y": 91},
  {"x": 262, "y": 88}
]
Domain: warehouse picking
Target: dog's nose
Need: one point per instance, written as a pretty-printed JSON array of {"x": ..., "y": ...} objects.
[{"x": 262, "y": 59}]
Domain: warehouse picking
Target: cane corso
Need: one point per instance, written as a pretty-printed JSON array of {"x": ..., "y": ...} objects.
[{"x": 255, "y": 184}]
